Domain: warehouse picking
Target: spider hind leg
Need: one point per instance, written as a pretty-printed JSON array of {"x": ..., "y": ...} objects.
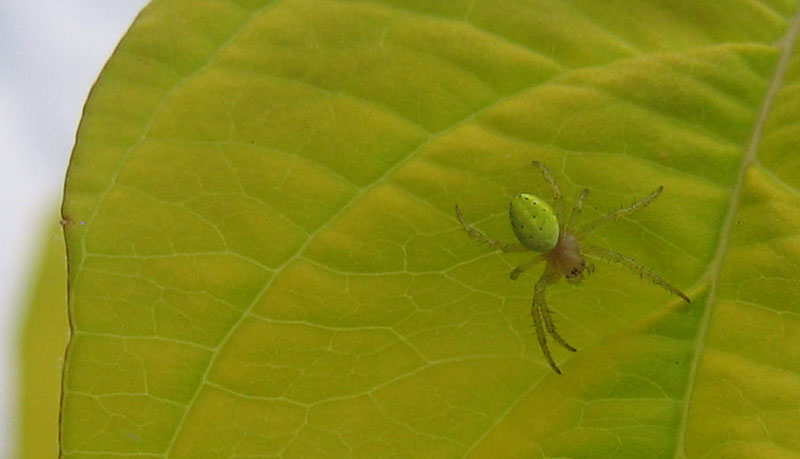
[
  {"x": 619, "y": 213},
  {"x": 558, "y": 197},
  {"x": 482, "y": 238},
  {"x": 576, "y": 210}
]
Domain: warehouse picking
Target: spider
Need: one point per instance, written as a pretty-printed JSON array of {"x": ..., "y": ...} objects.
[{"x": 559, "y": 243}]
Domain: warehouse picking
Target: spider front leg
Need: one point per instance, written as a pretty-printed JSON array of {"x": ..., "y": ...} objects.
[
  {"x": 542, "y": 319},
  {"x": 481, "y": 237},
  {"x": 611, "y": 256}
]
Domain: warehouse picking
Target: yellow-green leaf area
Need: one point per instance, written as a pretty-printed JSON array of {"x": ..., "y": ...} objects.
[
  {"x": 41, "y": 342},
  {"x": 264, "y": 259}
]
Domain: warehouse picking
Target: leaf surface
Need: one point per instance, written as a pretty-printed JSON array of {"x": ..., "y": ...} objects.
[
  {"x": 42, "y": 338},
  {"x": 264, "y": 258}
]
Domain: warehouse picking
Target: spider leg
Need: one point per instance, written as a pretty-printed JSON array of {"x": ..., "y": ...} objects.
[
  {"x": 526, "y": 266},
  {"x": 541, "y": 337},
  {"x": 619, "y": 213},
  {"x": 611, "y": 256},
  {"x": 540, "y": 314},
  {"x": 551, "y": 326},
  {"x": 558, "y": 198},
  {"x": 481, "y": 237},
  {"x": 576, "y": 211}
]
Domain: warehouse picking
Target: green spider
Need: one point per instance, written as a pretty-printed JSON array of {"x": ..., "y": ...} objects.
[{"x": 558, "y": 242}]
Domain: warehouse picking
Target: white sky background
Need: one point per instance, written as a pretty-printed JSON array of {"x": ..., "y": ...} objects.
[{"x": 51, "y": 52}]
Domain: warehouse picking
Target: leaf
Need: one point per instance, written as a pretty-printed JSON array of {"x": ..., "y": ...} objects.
[
  {"x": 43, "y": 336},
  {"x": 264, "y": 258}
]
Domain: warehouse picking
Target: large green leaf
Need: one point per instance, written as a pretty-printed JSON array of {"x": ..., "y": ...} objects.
[{"x": 264, "y": 259}]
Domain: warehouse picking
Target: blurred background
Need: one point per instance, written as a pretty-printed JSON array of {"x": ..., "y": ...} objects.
[{"x": 51, "y": 52}]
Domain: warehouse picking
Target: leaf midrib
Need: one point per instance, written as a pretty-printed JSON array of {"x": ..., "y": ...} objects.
[{"x": 786, "y": 44}]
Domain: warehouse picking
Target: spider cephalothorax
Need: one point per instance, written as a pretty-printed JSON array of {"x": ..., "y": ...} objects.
[
  {"x": 557, "y": 241},
  {"x": 566, "y": 258}
]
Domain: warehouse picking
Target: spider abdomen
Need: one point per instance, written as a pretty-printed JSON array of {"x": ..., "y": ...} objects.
[{"x": 534, "y": 222}]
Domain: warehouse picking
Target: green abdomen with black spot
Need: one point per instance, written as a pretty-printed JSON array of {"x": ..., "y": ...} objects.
[{"x": 534, "y": 222}]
